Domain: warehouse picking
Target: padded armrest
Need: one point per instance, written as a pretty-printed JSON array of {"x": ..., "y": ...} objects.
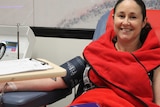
[{"x": 33, "y": 99}]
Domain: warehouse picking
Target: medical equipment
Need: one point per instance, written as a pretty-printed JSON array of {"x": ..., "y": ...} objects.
[
  {"x": 19, "y": 41},
  {"x": 2, "y": 50}
]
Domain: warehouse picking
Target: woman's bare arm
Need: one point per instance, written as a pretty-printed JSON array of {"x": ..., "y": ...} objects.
[
  {"x": 156, "y": 85},
  {"x": 46, "y": 84}
]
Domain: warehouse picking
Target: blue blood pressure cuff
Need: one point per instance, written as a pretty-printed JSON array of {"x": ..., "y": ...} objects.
[{"x": 75, "y": 68}]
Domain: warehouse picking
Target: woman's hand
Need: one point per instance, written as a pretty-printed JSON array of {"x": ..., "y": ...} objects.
[{"x": 3, "y": 87}]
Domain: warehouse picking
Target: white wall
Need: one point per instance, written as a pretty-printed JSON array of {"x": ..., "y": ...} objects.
[
  {"x": 58, "y": 50},
  {"x": 58, "y": 13},
  {"x": 52, "y": 13}
]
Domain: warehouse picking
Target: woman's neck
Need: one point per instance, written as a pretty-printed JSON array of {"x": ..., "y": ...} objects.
[{"x": 127, "y": 47}]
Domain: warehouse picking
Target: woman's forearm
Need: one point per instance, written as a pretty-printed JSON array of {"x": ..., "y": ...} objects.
[{"x": 46, "y": 84}]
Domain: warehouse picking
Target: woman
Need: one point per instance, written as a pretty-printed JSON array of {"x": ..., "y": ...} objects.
[
  {"x": 123, "y": 60},
  {"x": 118, "y": 64}
]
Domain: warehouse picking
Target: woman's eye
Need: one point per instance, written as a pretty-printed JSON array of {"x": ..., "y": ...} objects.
[
  {"x": 121, "y": 16},
  {"x": 133, "y": 17}
]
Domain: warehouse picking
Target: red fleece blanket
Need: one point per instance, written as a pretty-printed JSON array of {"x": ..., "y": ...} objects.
[{"x": 123, "y": 75}]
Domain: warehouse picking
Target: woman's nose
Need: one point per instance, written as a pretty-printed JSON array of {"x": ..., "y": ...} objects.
[{"x": 126, "y": 21}]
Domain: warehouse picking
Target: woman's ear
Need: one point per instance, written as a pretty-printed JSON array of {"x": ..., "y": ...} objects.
[
  {"x": 113, "y": 16},
  {"x": 144, "y": 22}
]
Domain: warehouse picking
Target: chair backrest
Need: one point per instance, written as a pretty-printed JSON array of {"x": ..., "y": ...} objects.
[
  {"x": 152, "y": 17},
  {"x": 101, "y": 26}
]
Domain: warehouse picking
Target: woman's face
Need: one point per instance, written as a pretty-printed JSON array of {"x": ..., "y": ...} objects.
[{"x": 128, "y": 21}]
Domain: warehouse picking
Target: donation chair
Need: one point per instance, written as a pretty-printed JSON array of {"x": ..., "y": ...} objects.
[{"x": 37, "y": 99}]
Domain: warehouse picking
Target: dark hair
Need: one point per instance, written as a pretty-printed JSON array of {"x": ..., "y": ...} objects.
[{"x": 145, "y": 30}]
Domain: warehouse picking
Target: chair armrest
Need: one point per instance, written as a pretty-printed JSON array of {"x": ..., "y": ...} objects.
[{"x": 33, "y": 99}]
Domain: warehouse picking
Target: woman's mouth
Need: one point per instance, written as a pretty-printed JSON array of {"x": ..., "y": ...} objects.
[{"x": 125, "y": 29}]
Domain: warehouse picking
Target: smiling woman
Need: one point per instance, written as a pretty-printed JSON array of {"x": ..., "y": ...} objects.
[
  {"x": 128, "y": 23},
  {"x": 138, "y": 65}
]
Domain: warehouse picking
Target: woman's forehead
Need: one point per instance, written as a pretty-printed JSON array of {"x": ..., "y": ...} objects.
[{"x": 128, "y": 6}]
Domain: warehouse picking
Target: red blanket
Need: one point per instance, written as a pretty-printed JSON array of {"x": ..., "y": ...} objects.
[{"x": 122, "y": 76}]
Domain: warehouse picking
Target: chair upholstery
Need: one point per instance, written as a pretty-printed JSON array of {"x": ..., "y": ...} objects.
[
  {"x": 101, "y": 25},
  {"x": 36, "y": 99},
  {"x": 33, "y": 99},
  {"x": 153, "y": 19}
]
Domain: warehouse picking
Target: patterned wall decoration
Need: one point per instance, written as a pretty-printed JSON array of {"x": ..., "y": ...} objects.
[
  {"x": 92, "y": 14},
  {"x": 58, "y": 13}
]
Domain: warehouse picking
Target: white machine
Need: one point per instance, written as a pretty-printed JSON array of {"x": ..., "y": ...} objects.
[{"x": 19, "y": 41}]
